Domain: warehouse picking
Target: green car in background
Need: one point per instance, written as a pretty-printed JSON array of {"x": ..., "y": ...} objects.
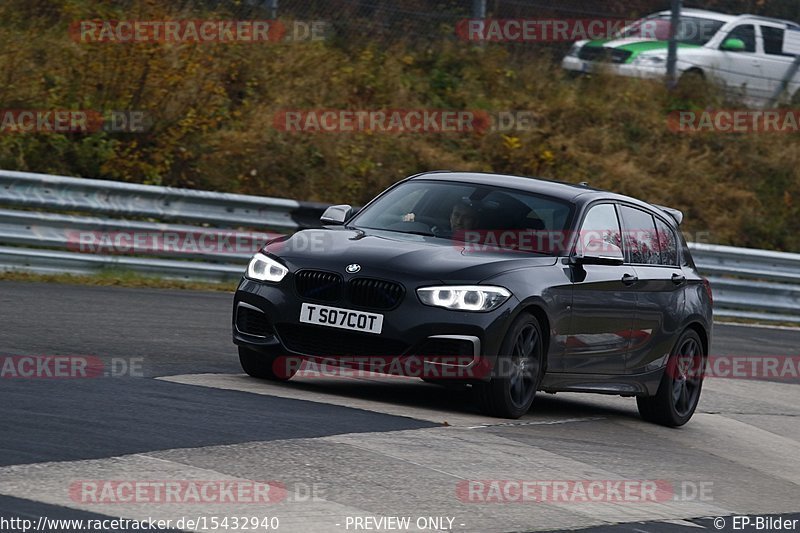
[{"x": 746, "y": 54}]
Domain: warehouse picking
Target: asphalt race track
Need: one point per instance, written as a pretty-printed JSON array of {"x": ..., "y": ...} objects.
[{"x": 348, "y": 453}]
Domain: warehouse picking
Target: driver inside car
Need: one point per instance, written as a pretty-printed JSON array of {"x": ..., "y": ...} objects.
[{"x": 463, "y": 217}]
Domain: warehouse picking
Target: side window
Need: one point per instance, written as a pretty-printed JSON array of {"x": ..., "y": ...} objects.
[
  {"x": 601, "y": 223},
  {"x": 667, "y": 243},
  {"x": 639, "y": 235},
  {"x": 686, "y": 256},
  {"x": 747, "y": 33},
  {"x": 773, "y": 40}
]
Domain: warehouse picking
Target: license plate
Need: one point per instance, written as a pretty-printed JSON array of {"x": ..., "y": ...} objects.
[{"x": 336, "y": 317}]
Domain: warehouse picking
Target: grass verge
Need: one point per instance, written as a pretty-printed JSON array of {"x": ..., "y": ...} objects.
[{"x": 118, "y": 278}]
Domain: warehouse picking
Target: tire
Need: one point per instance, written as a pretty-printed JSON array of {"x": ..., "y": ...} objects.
[
  {"x": 679, "y": 391},
  {"x": 693, "y": 81},
  {"x": 274, "y": 367},
  {"x": 517, "y": 373},
  {"x": 693, "y": 75},
  {"x": 694, "y": 89}
]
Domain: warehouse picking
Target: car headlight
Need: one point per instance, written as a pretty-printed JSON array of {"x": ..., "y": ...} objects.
[
  {"x": 573, "y": 51},
  {"x": 653, "y": 61},
  {"x": 263, "y": 268},
  {"x": 464, "y": 297}
]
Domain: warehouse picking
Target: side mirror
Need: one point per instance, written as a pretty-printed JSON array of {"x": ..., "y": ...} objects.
[
  {"x": 599, "y": 252},
  {"x": 336, "y": 215},
  {"x": 733, "y": 45}
]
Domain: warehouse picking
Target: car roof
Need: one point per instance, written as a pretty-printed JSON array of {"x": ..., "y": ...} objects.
[
  {"x": 558, "y": 189},
  {"x": 757, "y": 18},
  {"x": 716, "y": 15},
  {"x": 571, "y": 192},
  {"x": 724, "y": 17}
]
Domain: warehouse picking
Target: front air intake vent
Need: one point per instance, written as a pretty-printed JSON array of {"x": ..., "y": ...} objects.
[
  {"x": 318, "y": 285},
  {"x": 374, "y": 293}
]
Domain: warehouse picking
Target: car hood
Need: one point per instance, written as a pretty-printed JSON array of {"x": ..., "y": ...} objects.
[
  {"x": 638, "y": 45},
  {"x": 393, "y": 255}
]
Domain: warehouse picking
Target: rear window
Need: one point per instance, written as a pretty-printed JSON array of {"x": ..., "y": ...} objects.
[
  {"x": 639, "y": 237},
  {"x": 773, "y": 41},
  {"x": 667, "y": 243}
]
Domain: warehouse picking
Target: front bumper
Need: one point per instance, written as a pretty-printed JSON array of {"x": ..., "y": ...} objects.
[
  {"x": 410, "y": 331},
  {"x": 580, "y": 66}
]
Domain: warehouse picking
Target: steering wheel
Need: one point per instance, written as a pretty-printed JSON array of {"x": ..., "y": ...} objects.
[{"x": 437, "y": 226}]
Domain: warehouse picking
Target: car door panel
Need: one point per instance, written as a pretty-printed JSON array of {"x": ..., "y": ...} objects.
[
  {"x": 603, "y": 304},
  {"x": 651, "y": 246},
  {"x": 659, "y": 308},
  {"x": 741, "y": 72},
  {"x": 603, "y": 308}
]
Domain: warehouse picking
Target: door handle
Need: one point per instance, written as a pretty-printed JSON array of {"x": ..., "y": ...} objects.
[
  {"x": 629, "y": 279},
  {"x": 677, "y": 279}
]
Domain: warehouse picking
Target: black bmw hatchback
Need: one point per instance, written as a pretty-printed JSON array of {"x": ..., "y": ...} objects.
[{"x": 511, "y": 285}]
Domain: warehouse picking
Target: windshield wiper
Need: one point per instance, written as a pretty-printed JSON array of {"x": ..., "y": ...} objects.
[
  {"x": 413, "y": 232},
  {"x": 409, "y": 232}
]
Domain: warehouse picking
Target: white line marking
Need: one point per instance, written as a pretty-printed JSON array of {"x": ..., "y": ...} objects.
[
  {"x": 538, "y": 423},
  {"x": 757, "y": 326}
]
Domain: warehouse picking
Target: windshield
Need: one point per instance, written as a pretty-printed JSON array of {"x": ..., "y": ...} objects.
[
  {"x": 470, "y": 213},
  {"x": 691, "y": 30}
]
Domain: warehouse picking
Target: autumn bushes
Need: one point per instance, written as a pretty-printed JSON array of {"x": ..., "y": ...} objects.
[{"x": 212, "y": 108}]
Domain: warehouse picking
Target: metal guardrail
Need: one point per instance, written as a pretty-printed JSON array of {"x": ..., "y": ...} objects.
[
  {"x": 42, "y": 191},
  {"x": 45, "y": 235},
  {"x": 51, "y": 227},
  {"x": 51, "y": 230},
  {"x": 749, "y": 283}
]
